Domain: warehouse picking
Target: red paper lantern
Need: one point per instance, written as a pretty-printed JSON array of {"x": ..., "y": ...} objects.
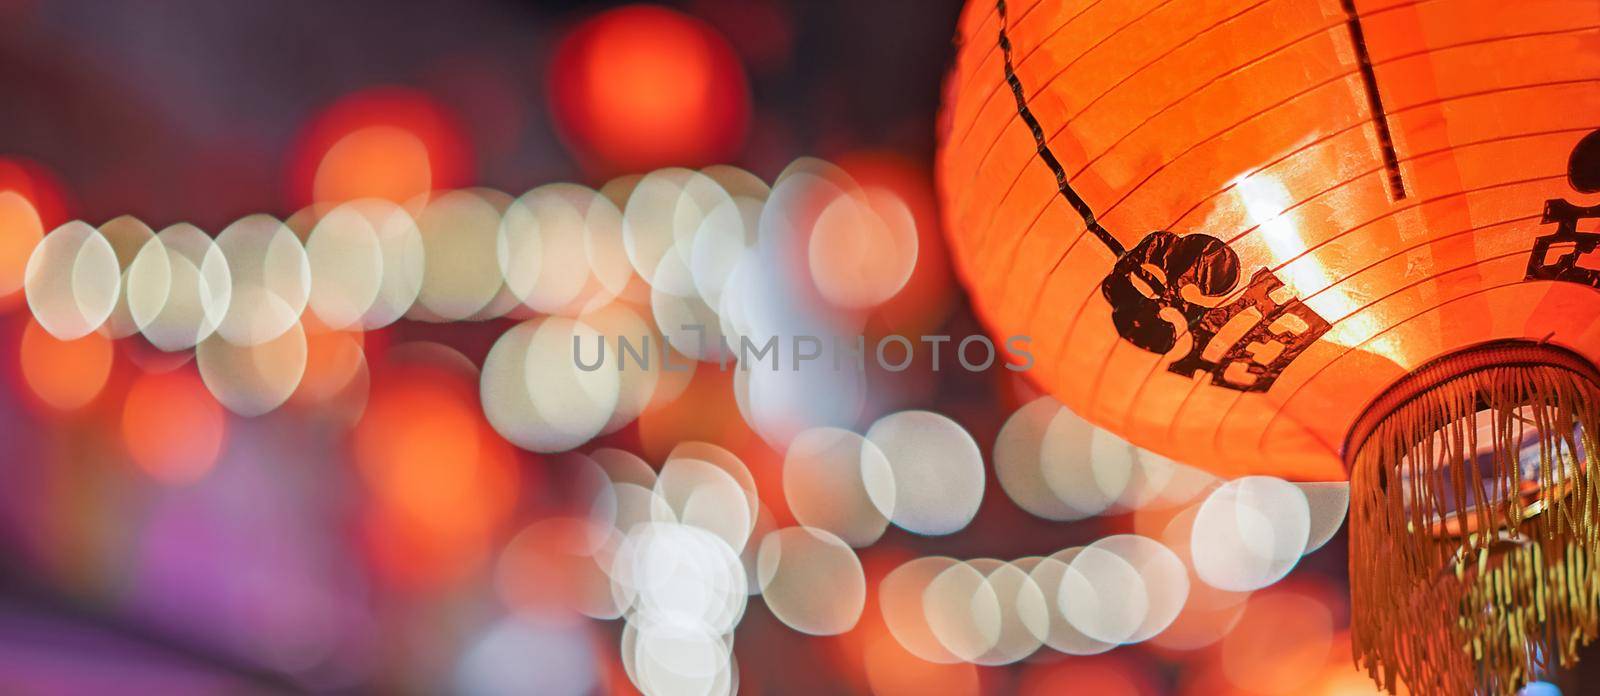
[{"x": 1319, "y": 240}]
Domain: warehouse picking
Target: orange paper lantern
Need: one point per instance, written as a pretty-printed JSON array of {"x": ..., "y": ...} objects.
[{"x": 1322, "y": 240}]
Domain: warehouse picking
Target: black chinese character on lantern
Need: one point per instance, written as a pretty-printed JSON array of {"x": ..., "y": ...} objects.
[
  {"x": 1168, "y": 286},
  {"x": 1560, "y": 255}
]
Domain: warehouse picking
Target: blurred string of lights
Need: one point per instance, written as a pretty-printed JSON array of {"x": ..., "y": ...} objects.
[
  {"x": 280, "y": 315},
  {"x": 274, "y": 312}
]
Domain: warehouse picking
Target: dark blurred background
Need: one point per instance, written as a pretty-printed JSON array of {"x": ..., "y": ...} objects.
[
  {"x": 191, "y": 110},
  {"x": 255, "y": 580}
]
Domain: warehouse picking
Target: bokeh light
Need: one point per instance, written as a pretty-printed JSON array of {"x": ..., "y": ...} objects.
[
  {"x": 72, "y": 280},
  {"x": 831, "y": 478},
  {"x": 256, "y": 378},
  {"x": 937, "y": 472},
  {"x": 172, "y": 428},
  {"x": 179, "y": 288},
  {"x": 459, "y": 231},
  {"x": 22, "y": 232},
  {"x": 536, "y": 394},
  {"x": 1280, "y": 644},
  {"x": 442, "y": 482},
  {"x": 811, "y": 580},
  {"x": 127, "y": 236},
  {"x": 335, "y": 363},
  {"x": 901, "y": 597},
  {"x": 374, "y": 161},
  {"x": 644, "y": 86},
  {"x": 1250, "y": 532},
  {"x": 32, "y": 202},
  {"x": 389, "y": 143},
  {"x": 66, "y": 375}
]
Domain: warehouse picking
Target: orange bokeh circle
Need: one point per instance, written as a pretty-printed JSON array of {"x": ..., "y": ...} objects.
[
  {"x": 66, "y": 375},
  {"x": 386, "y": 142},
  {"x": 31, "y": 204},
  {"x": 172, "y": 427},
  {"x": 641, "y": 87},
  {"x": 442, "y": 481}
]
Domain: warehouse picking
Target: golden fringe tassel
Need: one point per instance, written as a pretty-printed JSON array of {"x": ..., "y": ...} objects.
[{"x": 1482, "y": 608}]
